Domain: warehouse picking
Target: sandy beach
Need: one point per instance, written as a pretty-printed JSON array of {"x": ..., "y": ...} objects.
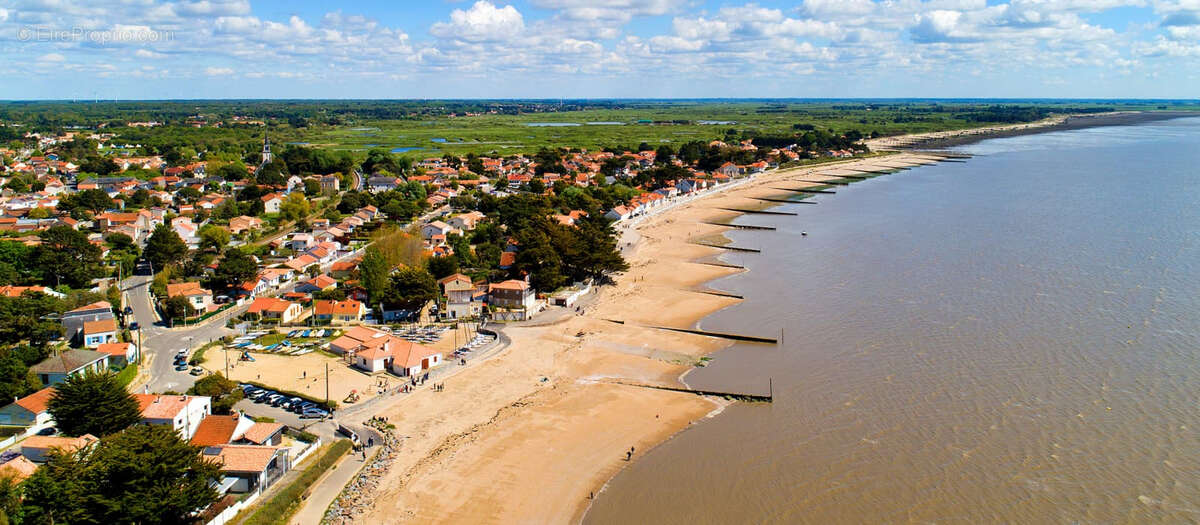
[{"x": 531, "y": 433}]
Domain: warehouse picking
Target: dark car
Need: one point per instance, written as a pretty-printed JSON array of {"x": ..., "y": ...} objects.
[
  {"x": 183, "y": 367},
  {"x": 48, "y": 431},
  {"x": 135, "y": 326},
  {"x": 128, "y": 310}
]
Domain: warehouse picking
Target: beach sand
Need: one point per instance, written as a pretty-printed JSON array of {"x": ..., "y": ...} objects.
[{"x": 529, "y": 434}]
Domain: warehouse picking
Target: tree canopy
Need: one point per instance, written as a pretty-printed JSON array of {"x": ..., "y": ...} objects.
[
  {"x": 164, "y": 247},
  {"x": 145, "y": 474},
  {"x": 93, "y": 403},
  {"x": 65, "y": 256}
]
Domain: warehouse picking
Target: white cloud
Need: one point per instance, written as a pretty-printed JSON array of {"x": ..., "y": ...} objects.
[
  {"x": 218, "y": 71},
  {"x": 483, "y": 22},
  {"x": 146, "y": 53},
  {"x": 52, "y": 57}
]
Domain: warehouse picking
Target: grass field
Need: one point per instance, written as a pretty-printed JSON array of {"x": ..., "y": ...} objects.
[{"x": 663, "y": 122}]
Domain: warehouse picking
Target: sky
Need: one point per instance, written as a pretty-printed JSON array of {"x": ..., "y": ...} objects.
[{"x": 152, "y": 49}]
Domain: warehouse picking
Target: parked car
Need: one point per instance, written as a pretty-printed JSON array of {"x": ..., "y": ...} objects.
[
  {"x": 48, "y": 431},
  {"x": 181, "y": 367},
  {"x": 135, "y": 326},
  {"x": 197, "y": 371},
  {"x": 128, "y": 310},
  {"x": 314, "y": 413}
]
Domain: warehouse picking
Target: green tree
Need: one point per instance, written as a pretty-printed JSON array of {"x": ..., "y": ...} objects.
[
  {"x": 94, "y": 201},
  {"x": 410, "y": 289},
  {"x": 231, "y": 172},
  {"x": 177, "y": 307},
  {"x": 213, "y": 236},
  {"x": 224, "y": 392},
  {"x": 374, "y": 270},
  {"x": 39, "y": 213},
  {"x": 68, "y": 257},
  {"x": 442, "y": 266},
  {"x": 294, "y": 207},
  {"x": 164, "y": 247},
  {"x": 93, "y": 403},
  {"x": 235, "y": 268},
  {"x": 145, "y": 474}
]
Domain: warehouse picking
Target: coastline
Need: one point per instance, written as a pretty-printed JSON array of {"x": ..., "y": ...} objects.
[
  {"x": 530, "y": 434},
  {"x": 946, "y": 139}
]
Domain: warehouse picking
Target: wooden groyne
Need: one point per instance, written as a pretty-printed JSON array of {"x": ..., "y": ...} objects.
[
  {"x": 733, "y": 396},
  {"x": 727, "y": 247},
  {"x": 739, "y": 226},
  {"x": 720, "y": 264},
  {"x": 833, "y": 182},
  {"x": 718, "y": 293},
  {"x": 785, "y": 201},
  {"x": 760, "y": 212},
  {"x": 855, "y": 177},
  {"x": 721, "y": 335},
  {"x": 944, "y": 154},
  {"x": 803, "y": 190}
]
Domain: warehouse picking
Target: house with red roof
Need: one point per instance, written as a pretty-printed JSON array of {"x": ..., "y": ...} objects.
[
  {"x": 183, "y": 413},
  {"x": 276, "y": 309},
  {"x": 29, "y": 411}
]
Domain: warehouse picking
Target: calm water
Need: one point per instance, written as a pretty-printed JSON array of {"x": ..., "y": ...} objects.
[{"x": 1013, "y": 339}]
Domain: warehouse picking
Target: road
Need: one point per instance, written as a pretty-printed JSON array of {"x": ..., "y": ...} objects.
[{"x": 159, "y": 343}]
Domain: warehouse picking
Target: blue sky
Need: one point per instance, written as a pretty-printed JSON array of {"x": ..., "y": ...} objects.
[{"x": 139, "y": 49}]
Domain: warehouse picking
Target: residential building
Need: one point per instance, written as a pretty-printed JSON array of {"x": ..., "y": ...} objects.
[
  {"x": 183, "y": 413},
  {"x": 96, "y": 333},
  {"x": 199, "y": 298},
  {"x": 271, "y": 202},
  {"x": 57, "y": 368},
  {"x": 317, "y": 284},
  {"x": 429, "y": 230},
  {"x": 29, "y": 411},
  {"x": 221, "y": 429},
  {"x": 37, "y": 448},
  {"x": 119, "y": 354},
  {"x": 339, "y": 312},
  {"x": 276, "y": 309},
  {"x": 249, "y": 468},
  {"x": 73, "y": 320},
  {"x": 512, "y": 293},
  {"x": 460, "y": 297}
]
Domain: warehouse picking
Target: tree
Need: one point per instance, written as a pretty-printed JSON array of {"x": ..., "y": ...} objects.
[
  {"x": 120, "y": 241},
  {"x": 410, "y": 289},
  {"x": 374, "y": 270},
  {"x": 39, "y": 213},
  {"x": 213, "y": 236},
  {"x": 93, "y": 403},
  {"x": 67, "y": 257},
  {"x": 224, "y": 392},
  {"x": 235, "y": 268},
  {"x": 164, "y": 247},
  {"x": 146, "y": 474},
  {"x": 231, "y": 172},
  {"x": 294, "y": 207},
  {"x": 177, "y": 307},
  {"x": 442, "y": 266}
]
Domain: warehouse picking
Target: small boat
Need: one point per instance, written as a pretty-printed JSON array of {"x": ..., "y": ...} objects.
[{"x": 804, "y": 234}]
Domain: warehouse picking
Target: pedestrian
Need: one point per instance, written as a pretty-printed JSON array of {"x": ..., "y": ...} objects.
[
  {"x": 628, "y": 456},
  {"x": 370, "y": 442}
]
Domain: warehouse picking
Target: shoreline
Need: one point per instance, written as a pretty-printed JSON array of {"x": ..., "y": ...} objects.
[
  {"x": 540, "y": 429},
  {"x": 534, "y": 431},
  {"x": 946, "y": 139}
]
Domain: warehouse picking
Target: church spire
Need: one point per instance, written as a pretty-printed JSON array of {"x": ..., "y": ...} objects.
[{"x": 266, "y": 152}]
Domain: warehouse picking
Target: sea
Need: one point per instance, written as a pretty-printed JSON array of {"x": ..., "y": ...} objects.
[{"x": 1010, "y": 339}]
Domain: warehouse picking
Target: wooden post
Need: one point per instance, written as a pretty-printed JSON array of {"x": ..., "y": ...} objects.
[
  {"x": 327, "y": 383},
  {"x": 771, "y": 388}
]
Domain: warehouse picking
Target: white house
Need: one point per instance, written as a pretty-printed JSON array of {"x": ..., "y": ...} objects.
[
  {"x": 435, "y": 228},
  {"x": 182, "y": 413},
  {"x": 271, "y": 202},
  {"x": 29, "y": 411}
]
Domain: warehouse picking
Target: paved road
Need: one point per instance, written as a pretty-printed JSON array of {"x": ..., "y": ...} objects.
[{"x": 159, "y": 343}]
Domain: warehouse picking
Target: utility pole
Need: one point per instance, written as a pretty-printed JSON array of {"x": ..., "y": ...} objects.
[
  {"x": 226, "y": 362},
  {"x": 327, "y": 383}
]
